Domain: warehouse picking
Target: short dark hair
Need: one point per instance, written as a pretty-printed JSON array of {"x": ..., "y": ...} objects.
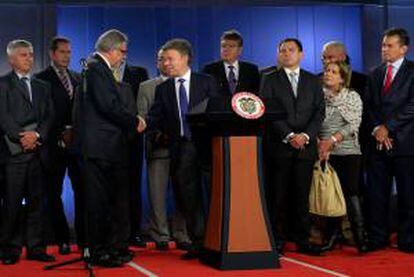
[
  {"x": 233, "y": 34},
  {"x": 400, "y": 32},
  {"x": 183, "y": 47},
  {"x": 54, "y": 43},
  {"x": 295, "y": 40}
]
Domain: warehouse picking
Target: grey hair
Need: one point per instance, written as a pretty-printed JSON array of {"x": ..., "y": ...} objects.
[
  {"x": 17, "y": 43},
  {"x": 335, "y": 44},
  {"x": 111, "y": 39}
]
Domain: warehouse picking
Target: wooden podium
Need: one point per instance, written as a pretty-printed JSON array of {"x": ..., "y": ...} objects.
[{"x": 238, "y": 233}]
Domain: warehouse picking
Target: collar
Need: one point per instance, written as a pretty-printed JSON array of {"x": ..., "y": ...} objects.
[
  {"x": 397, "y": 64},
  {"x": 20, "y": 76},
  {"x": 104, "y": 58},
  {"x": 235, "y": 64},
  {"x": 52, "y": 64},
  {"x": 186, "y": 77},
  {"x": 288, "y": 71}
]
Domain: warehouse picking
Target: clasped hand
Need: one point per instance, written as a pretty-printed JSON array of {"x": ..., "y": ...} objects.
[{"x": 28, "y": 140}]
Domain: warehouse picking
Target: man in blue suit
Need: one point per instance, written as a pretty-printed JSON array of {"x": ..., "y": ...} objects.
[
  {"x": 389, "y": 106},
  {"x": 168, "y": 123}
]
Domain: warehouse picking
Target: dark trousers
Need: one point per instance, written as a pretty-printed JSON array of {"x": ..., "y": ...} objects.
[
  {"x": 186, "y": 179},
  {"x": 291, "y": 179},
  {"x": 380, "y": 172},
  {"x": 107, "y": 207},
  {"x": 22, "y": 222},
  {"x": 135, "y": 173},
  {"x": 348, "y": 169},
  {"x": 64, "y": 160}
]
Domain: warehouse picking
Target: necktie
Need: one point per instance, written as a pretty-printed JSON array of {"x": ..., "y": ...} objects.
[
  {"x": 388, "y": 80},
  {"x": 184, "y": 108},
  {"x": 232, "y": 79},
  {"x": 117, "y": 74},
  {"x": 65, "y": 82},
  {"x": 294, "y": 83},
  {"x": 27, "y": 87}
]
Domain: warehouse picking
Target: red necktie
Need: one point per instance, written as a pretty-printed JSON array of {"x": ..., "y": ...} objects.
[{"x": 388, "y": 80}]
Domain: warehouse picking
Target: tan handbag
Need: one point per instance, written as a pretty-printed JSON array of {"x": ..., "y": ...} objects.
[{"x": 326, "y": 197}]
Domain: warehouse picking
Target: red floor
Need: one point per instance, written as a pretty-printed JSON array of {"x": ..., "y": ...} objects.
[{"x": 150, "y": 262}]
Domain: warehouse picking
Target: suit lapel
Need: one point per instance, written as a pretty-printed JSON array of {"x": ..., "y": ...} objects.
[
  {"x": 224, "y": 81},
  {"x": 194, "y": 91},
  {"x": 398, "y": 77},
  {"x": 173, "y": 98},
  {"x": 301, "y": 85},
  {"x": 286, "y": 83},
  {"x": 36, "y": 94},
  {"x": 17, "y": 85}
]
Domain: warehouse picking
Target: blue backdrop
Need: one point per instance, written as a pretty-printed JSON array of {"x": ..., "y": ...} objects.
[{"x": 262, "y": 28}]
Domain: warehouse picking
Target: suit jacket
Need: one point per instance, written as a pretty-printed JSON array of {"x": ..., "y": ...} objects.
[
  {"x": 146, "y": 95},
  {"x": 63, "y": 104},
  {"x": 249, "y": 77},
  {"x": 134, "y": 75},
  {"x": 268, "y": 70},
  {"x": 164, "y": 114},
  {"x": 395, "y": 110},
  {"x": 104, "y": 119},
  {"x": 17, "y": 111},
  {"x": 304, "y": 113}
]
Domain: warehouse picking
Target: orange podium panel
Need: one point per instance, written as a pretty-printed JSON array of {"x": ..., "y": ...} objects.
[{"x": 238, "y": 234}]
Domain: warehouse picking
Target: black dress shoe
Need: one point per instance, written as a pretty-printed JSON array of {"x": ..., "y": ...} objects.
[
  {"x": 186, "y": 246},
  {"x": 162, "y": 246},
  {"x": 191, "y": 255},
  {"x": 40, "y": 256},
  {"x": 137, "y": 241},
  {"x": 310, "y": 249},
  {"x": 106, "y": 260},
  {"x": 406, "y": 248},
  {"x": 9, "y": 259},
  {"x": 375, "y": 246},
  {"x": 64, "y": 249},
  {"x": 125, "y": 255}
]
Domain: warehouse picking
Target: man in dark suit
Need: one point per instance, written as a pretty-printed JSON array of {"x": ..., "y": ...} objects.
[
  {"x": 134, "y": 76},
  {"x": 105, "y": 123},
  {"x": 173, "y": 99},
  {"x": 26, "y": 116},
  {"x": 389, "y": 105},
  {"x": 291, "y": 144},
  {"x": 231, "y": 74},
  {"x": 64, "y": 156}
]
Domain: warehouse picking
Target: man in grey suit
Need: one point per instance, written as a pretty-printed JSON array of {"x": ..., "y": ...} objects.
[{"x": 158, "y": 163}]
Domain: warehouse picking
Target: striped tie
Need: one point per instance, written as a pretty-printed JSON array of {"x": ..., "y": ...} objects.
[{"x": 66, "y": 82}]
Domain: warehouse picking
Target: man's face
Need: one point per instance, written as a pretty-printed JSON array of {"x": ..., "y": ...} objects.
[
  {"x": 230, "y": 50},
  {"x": 21, "y": 60},
  {"x": 61, "y": 56},
  {"x": 160, "y": 63},
  {"x": 392, "y": 49},
  {"x": 175, "y": 63},
  {"x": 289, "y": 55},
  {"x": 333, "y": 54},
  {"x": 117, "y": 55}
]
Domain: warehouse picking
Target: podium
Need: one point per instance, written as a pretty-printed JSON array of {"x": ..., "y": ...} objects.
[{"x": 238, "y": 233}]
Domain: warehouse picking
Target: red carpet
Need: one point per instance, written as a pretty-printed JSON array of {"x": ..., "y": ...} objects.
[{"x": 150, "y": 262}]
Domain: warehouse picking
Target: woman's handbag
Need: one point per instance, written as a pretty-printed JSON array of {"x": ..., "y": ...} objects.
[{"x": 326, "y": 197}]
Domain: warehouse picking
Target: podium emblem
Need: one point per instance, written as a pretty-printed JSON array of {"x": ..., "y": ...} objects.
[{"x": 247, "y": 105}]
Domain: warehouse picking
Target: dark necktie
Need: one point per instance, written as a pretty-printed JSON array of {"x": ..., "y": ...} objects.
[
  {"x": 27, "y": 88},
  {"x": 184, "y": 108},
  {"x": 65, "y": 82},
  {"x": 232, "y": 79},
  {"x": 388, "y": 80}
]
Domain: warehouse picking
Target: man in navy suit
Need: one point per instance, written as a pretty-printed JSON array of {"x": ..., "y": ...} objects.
[
  {"x": 26, "y": 117},
  {"x": 64, "y": 155},
  {"x": 389, "y": 106},
  {"x": 232, "y": 74},
  {"x": 104, "y": 124},
  {"x": 291, "y": 145},
  {"x": 173, "y": 99}
]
